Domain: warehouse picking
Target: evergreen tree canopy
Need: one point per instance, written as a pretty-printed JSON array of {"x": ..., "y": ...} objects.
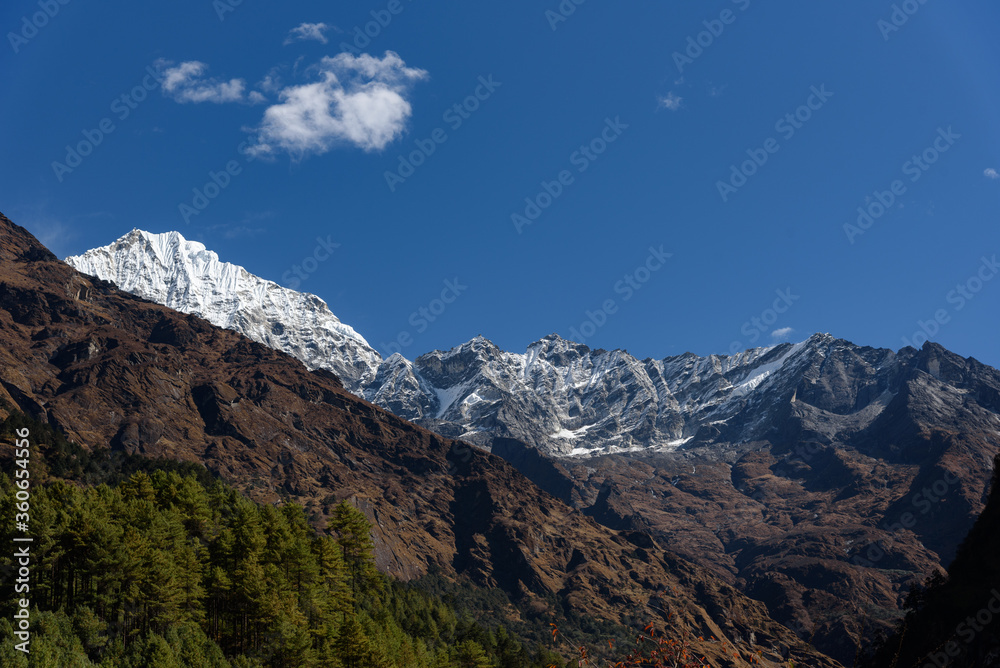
[{"x": 165, "y": 566}]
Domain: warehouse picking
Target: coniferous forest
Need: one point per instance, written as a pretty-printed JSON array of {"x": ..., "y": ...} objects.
[{"x": 155, "y": 563}]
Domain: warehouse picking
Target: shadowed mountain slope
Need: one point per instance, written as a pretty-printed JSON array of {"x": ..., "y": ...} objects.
[{"x": 108, "y": 368}]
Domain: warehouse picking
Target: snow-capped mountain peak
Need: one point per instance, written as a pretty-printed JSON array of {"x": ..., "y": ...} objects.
[
  {"x": 561, "y": 396},
  {"x": 185, "y": 276}
]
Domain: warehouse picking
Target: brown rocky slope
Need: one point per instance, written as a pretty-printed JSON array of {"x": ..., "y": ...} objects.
[
  {"x": 871, "y": 472},
  {"x": 109, "y": 369}
]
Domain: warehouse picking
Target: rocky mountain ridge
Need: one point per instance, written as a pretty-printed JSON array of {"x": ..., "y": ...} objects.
[
  {"x": 185, "y": 276},
  {"x": 558, "y": 396},
  {"x": 823, "y": 478},
  {"x": 107, "y": 368}
]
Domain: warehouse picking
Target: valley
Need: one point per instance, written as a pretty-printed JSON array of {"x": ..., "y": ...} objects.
[{"x": 822, "y": 478}]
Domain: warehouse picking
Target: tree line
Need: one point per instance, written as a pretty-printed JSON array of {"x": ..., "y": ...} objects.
[{"x": 137, "y": 562}]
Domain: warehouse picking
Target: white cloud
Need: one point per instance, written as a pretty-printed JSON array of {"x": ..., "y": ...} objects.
[
  {"x": 270, "y": 83},
  {"x": 308, "y": 31},
  {"x": 782, "y": 334},
  {"x": 992, "y": 174},
  {"x": 186, "y": 83},
  {"x": 671, "y": 101},
  {"x": 358, "y": 100}
]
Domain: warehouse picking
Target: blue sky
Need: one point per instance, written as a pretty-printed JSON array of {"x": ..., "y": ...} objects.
[{"x": 586, "y": 176}]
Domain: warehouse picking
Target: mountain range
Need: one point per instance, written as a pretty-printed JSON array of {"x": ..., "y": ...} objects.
[
  {"x": 109, "y": 369},
  {"x": 558, "y": 396},
  {"x": 822, "y": 478}
]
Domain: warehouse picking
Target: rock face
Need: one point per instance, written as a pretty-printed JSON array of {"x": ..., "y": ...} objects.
[
  {"x": 823, "y": 478},
  {"x": 110, "y": 369},
  {"x": 955, "y": 621},
  {"x": 864, "y": 471},
  {"x": 184, "y": 275},
  {"x": 558, "y": 396}
]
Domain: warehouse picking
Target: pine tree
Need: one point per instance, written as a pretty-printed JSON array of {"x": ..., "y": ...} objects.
[
  {"x": 509, "y": 652},
  {"x": 470, "y": 654},
  {"x": 10, "y": 657},
  {"x": 248, "y": 536},
  {"x": 337, "y": 596},
  {"x": 152, "y": 650},
  {"x": 166, "y": 586},
  {"x": 189, "y": 582},
  {"x": 301, "y": 570},
  {"x": 193, "y": 649},
  {"x": 251, "y": 594},
  {"x": 219, "y": 594},
  {"x": 130, "y": 617},
  {"x": 55, "y": 642},
  {"x": 354, "y": 536},
  {"x": 91, "y": 630},
  {"x": 288, "y": 641},
  {"x": 354, "y": 648},
  {"x": 139, "y": 486}
]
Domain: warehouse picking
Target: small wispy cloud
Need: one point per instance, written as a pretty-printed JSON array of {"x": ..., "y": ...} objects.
[
  {"x": 308, "y": 31},
  {"x": 250, "y": 226},
  {"x": 779, "y": 335},
  {"x": 358, "y": 100},
  {"x": 235, "y": 231},
  {"x": 57, "y": 233},
  {"x": 187, "y": 83},
  {"x": 52, "y": 233},
  {"x": 992, "y": 174},
  {"x": 272, "y": 82},
  {"x": 670, "y": 101}
]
